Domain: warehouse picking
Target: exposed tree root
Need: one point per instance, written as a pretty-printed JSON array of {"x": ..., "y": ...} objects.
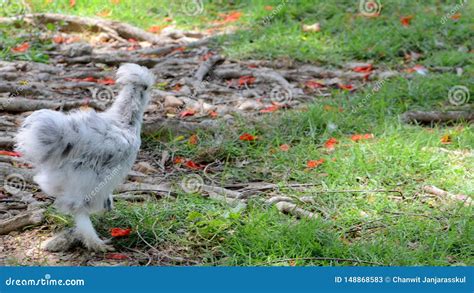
[
  {"x": 22, "y": 220},
  {"x": 444, "y": 194},
  {"x": 117, "y": 30},
  {"x": 437, "y": 117}
]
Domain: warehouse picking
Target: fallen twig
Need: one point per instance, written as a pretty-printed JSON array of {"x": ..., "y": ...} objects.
[
  {"x": 222, "y": 191},
  {"x": 117, "y": 30},
  {"x": 24, "y": 219},
  {"x": 144, "y": 187},
  {"x": 291, "y": 208},
  {"x": 442, "y": 193},
  {"x": 20, "y": 105},
  {"x": 437, "y": 117},
  {"x": 206, "y": 66},
  {"x": 278, "y": 198},
  {"x": 360, "y": 191},
  {"x": 131, "y": 197}
]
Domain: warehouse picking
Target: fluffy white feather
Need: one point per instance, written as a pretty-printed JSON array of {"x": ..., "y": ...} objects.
[{"x": 80, "y": 157}]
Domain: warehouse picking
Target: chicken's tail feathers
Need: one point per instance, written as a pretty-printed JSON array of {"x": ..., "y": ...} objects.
[
  {"x": 133, "y": 74},
  {"x": 41, "y": 135}
]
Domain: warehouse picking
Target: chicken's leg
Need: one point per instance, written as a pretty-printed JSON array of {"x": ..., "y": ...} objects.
[
  {"x": 62, "y": 241},
  {"x": 83, "y": 233},
  {"x": 88, "y": 236}
]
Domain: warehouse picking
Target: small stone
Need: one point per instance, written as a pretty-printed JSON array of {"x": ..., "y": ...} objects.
[
  {"x": 152, "y": 108},
  {"x": 170, "y": 110},
  {"x": 172, "y": 102},
  {"x": 248, "y": 105},
  {"x": 145, "y": 168},
  {"x": 312, "y": 28}
]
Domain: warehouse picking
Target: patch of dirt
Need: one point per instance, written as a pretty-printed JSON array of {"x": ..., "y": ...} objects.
[{"x": 24, "y": 249}]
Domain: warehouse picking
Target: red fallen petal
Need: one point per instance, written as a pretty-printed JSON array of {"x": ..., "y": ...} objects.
[
  {"x": 247, "y": 137},
  {"x": 21, "y": 48},
  {"x": 86, "y": 79},
  {"x": 284, "y": 147},
  {"x": 180, "y": 49},
  {"x": 405, "y": 20},
  {"x": 177, "y": 87},
  {"x": 347, "y": 87},
  {"x": 270, "y": 109},
  {"x": 192, "y": 165},
  {"x": 207, "y": 56},
  {"x": 456, "y": 16},
  {"x": 252, "y": 66},
  {"x": 330, "y": 143},
  {"x": 246, "y": 80},
  {"x": 418, "y": 68},
  {"x": 90, "y": 79},
  {"x": 187, "y": 113},
  {"x": 131, "y": 40},
  {"x": 363, "y": 69},
  {"x": 213, "y": 114},
  {"x": 231, "y": 17},
  {"x": 119, "y": 232},
  {"x": 446, "y": 139},
  {"x": 116, "y": 256},
  {"x": 11, "y": 154},
  {"x": 368, "y": 136},
  {"x": 193, "y": 139},
  {"x": 106, "y": 81},
  {"x": 314, "y": 163},
  {"x": 156, "y": 28},
  {"x": 59, "y": 39},
  {"x": 178, "y": 160},
  {"x": 357, "y": 137},
  {"x": 313, "y": 84}
]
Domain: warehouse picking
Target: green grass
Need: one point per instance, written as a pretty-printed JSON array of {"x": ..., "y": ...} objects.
[
  {"x": 345, "y": 34},
  {"x": 374, "y": 226}
]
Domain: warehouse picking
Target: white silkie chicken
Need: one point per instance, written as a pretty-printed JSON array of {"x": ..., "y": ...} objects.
[{"x": 80, "y": 157}]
